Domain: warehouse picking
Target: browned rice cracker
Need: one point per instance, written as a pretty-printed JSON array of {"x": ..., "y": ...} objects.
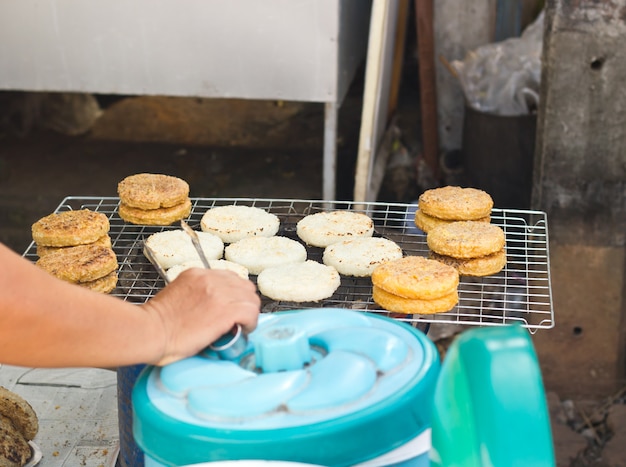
[
  {"x": 152, "y": 191},
  {"x": 456, "y": 203}
]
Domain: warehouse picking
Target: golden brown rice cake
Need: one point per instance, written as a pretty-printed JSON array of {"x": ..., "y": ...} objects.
[
  {"x": 14, "y": 449},
  {"x": 397, "y": 304},
  {"x": 161, "y": 216},
  {"x": 152, "y": 191},
  {"x": 70, "y": 228},
  {"x": 478, "y": 267},
  {"x": 456, "y": 203},
  {"x": 82, "y": 263},
  {"x": 20, "y": 412},
  {"x": 424, "y": 222},
  {"x": 43, "y": 250},
  {"x": 416, "y": 277},
  {"x": 466, "y": 239},
  {"x": 105, "y": 284}
]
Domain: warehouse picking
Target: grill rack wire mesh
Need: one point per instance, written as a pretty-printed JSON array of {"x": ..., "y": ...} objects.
[{"x": 520, "y": 293}]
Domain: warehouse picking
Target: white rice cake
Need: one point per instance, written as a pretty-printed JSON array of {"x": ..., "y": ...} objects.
[
  {"x": 259, "y": 253},
  {"x": 309, "y": 281},
  {"x": 325, "y": 228},
  {"x": 172, "y": 247},
  {"x": 234, "y": 222},
  {"x": 359, "y": 256},
  {"x": 173, "y": 272}
]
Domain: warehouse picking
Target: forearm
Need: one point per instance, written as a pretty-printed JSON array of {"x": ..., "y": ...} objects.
[{"x": 45, "y": 322}]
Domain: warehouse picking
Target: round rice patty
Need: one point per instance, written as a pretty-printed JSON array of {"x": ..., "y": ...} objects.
[
  {"x": 235, "y": 222},
  {"x": 309, "y": 281},
  {"x": 152, "y": 191},
  {"x": 478, "y": 267},
  {"x": 70, "y": 228},
  {"x": 22, "y": 415},
  {"x": 173, "y": 272},
  {"x": 43, "y": 250},
  {"x": 161, "y": 216},
  {"x": 416, "y": 277},
  {"x": 397, "y": 304},
  {"x": 466, "y": 239},
  {"x": 82, "y": 263},
  {"x": 104, "y": 284},
  {"x": 424, "y": 222},
  {"x": 259, "y": 253},
  {"x": 14, "y": 449},
  {"x": 172, "y": 247},
  {"x": 359, "y": 256},
  {"x": 456, "y": 203},
  {"x": 325, "y": 228}
]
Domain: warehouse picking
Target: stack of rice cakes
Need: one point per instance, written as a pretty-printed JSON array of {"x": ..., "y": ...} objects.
[
  {"x": 441, "y": 206},
  {"x": 75, "y": 246},
  {"x": 415, "y": 285},
  {"x": 459, "y": 232},
  {"x": 472, "y": 248},
  {"x": 19, "y": 425},
  {"x": 462, "y": 242},
  {"x": 153, "y": 199}
]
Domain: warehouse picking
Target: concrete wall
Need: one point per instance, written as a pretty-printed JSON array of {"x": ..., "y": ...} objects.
[{"x": 580, "y": 181}]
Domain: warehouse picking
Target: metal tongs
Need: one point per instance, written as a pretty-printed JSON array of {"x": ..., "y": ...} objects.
[{"x": 231, "y": 345}]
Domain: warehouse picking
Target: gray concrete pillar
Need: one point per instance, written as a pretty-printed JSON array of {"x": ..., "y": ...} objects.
[{"x": 580, "y": 181}]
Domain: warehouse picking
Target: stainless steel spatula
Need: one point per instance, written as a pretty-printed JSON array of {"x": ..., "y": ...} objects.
[{"x": 232, "y": 344}]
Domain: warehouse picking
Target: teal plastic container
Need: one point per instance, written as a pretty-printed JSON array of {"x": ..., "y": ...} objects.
[
  {"x": 490, "y": 407},
  {"x": 328, "y": 387}
]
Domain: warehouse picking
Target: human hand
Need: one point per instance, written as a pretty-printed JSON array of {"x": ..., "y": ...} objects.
[{"x": 200, "y": 306}]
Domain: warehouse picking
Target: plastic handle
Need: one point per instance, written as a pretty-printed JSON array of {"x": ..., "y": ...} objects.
[{"x": 231, "y": 345}]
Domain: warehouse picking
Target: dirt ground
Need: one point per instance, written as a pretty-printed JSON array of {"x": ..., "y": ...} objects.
[{"x": 265, "y": 150}]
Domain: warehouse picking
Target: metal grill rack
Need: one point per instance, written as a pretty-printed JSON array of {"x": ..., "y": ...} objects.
[{"x": 520, "y": 293}]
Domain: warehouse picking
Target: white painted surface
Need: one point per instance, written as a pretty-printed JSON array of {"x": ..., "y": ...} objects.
[
  {"x": 375, "y": 95},
  {"x": 305, "y": 50},
  {"x": 302, "y": 50}
]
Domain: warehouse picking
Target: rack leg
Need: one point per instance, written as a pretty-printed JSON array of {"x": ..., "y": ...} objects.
[{"x": 330, "y": 150}]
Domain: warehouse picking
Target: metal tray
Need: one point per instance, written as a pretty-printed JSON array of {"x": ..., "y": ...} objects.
[{"x": 520, "y": 293}]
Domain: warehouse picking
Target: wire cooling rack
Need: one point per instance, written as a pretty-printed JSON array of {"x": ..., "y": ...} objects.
[{"x": 520, "y": 293}]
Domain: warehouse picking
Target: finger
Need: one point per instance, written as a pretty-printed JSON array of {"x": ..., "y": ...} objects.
[{"x": 247, "y": 313}]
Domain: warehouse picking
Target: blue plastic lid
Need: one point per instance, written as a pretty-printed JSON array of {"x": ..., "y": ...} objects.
[
  {"x": 490, "y": 405},
  {"x": 320, "y": 386}
]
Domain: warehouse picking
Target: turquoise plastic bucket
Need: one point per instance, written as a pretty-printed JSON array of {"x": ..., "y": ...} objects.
[{"x": 365, "y": 389}]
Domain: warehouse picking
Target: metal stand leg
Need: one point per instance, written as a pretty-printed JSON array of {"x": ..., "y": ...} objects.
[{"x": 330, "y": 150}]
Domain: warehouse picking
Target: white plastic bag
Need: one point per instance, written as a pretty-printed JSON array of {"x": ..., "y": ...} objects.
[{"x": 503, "y": 78}]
